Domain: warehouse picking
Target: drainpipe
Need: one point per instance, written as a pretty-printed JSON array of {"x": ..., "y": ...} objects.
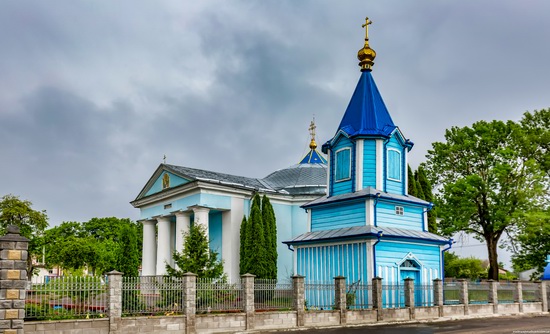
[
  {"x": 451, "y": 242},
  {"x": 377, "y": 196},
  {"x": 379, "y": 235},
  {"x": 428, "y": 209}
]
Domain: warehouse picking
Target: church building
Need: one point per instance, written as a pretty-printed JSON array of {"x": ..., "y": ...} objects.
[
  {"x": 367, "y": 225},
  {"x": 176, "y": 197}
]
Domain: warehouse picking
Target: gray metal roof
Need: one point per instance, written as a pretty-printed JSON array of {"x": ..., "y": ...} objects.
[
  {"x": 367, "y": 192},
  {"x": 300, "y": 179},
  {"x": 360, "y": 232},
  {"x": 303, "y": 178}
]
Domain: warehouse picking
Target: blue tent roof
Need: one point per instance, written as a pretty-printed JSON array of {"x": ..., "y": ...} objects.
[
  {"x": 313, "y": 157},
  {"x": 366, "y": 114}
]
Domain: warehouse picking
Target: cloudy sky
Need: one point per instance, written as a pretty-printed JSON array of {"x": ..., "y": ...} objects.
[{"x": 94, "y": 93}]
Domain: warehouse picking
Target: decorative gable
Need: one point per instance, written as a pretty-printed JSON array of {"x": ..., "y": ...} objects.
[{"x": 164, "y": 181}]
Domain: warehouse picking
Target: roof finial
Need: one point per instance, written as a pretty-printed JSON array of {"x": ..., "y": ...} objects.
[
  {"x": 366, "y": 55},
  {"x": 312, "y": 127},
  {"x": 164, "y": 159}
]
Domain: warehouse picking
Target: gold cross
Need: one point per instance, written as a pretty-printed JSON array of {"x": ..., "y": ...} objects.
[
  {"x": 312, "y": 128},
  {"x": 366, "y": 26}
]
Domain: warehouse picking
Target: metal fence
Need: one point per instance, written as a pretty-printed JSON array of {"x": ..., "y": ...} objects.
[
  {"x": 423, "y": 295},
  {"x": 478, "y": 293},
  {"x": 66, "y": 298},
  {"x": 451, "y": 293},
  {"x": 393, "y": 296},
  {"x": 215, "y": 295},
  {"x": 319, "y": 295},
  {"x": 152, "y": 295},
  {"x": 530, "y": 292},
  {"x": 505, "y": 292},
  {"x": 358, "y": 296},
  {"x": 269, "y": 294}
]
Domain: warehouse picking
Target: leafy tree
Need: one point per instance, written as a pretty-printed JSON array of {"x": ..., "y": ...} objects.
[
  {"x": 485, "y": 182},
  {"x": 127, "y": 252},
  {"x": 412, "y": 182},
  {"x": 458, "y": 267},
  {"x": 196, "y": 256},
  {"x": 419, "y": 190},
  {"x": 270, "y": 225},
  {"x": 536, "y": 139},
  {"x": 428, "y": 196},
  {"x": 32, "y": 223},
  {"x": 533, "y": 243}
]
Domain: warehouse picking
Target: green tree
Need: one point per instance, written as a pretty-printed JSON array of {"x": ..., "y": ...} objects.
[
  {"x": 270, "y": 225},
  {"x": 469, "y": 267},
  {"x": 256, "y": 251},
  {"x": 533, "y": 243},
  {"x": 127, "y": 252},
  {"x": 412, "y": 182},
  {"x": 196, "y": 256},
  {"x": 32, "y": 223},
  {"x": 485, "y": 182},
  {"x": 242, "y": 249},
  {"x": 427, "y": 190},
  {"x": 419, "y": 190}
]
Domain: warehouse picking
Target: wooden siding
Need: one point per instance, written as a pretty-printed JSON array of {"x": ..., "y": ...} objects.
[
  {"x": 342, "y": 187},
  {"x": 395, "y": 187},
  {"x": 338, "y": 216},
  {"x": 323, "y": 263},
  {"x": 369, "y": 163},
  {"x": 411, "y": 218},
  {"x": 390, "y": 253}
]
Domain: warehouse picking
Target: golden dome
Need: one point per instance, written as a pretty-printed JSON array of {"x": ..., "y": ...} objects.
[{"x": 366, "y": 55}]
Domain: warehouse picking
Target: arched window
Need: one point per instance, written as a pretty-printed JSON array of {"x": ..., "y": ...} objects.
[{"x": 343, "y": 165}]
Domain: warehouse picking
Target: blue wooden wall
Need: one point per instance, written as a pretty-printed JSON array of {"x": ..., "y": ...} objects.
[
  {"x": 342, "y": 187},
  {"x": 411, "y": 219},
  {"x": 346, "y": 214},
  {"x": 369, "y": 163}
]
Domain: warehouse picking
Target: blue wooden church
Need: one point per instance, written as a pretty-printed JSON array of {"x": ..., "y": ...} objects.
[{"x": 367, "y": 225}]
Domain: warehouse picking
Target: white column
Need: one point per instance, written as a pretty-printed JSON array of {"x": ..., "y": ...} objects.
[
  {"x": 369, "y": 208},
  {"x": 163, "y": 246},
  {"x": 231, "y": 228},
  {"x": 183, "y": 222},
  {"x": 149, "y": 249},
  {"x": 201, "y": 218}
]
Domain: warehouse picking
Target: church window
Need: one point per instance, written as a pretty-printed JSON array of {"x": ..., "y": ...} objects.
[
  {"x": 399, "y": 210},
  {"x": 394, "y": 165},
  {"x": 343, "y": 164}
]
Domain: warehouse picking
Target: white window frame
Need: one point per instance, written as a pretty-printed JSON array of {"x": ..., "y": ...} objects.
[
  {"x": 399, "y": 210},
  {"x": 336, "y": 165},
  {"x": 388, "y": 165}
]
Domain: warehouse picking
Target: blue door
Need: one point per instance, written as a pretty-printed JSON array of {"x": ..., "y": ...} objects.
[{"x": 414, "y": 274}]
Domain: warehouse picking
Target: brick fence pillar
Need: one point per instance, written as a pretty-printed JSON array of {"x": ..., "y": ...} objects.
[
  {"x": 377, "y": 297},
  {"x": 189, "y": 301},
  {"x": 518, "y": 295},
  {"x": 409, "y": 296},
  {"x": 340, "y": 297},
  {"x": 247, "y": 281},
  {"x": 493, "y": 294},
  {"x": 541, "y": 295},
  {"x": 438, "y": 294},
  {"x": 13, "y": 281},
  {"x": 463, "y": 294},
  {"x": 299, "y": 289}
]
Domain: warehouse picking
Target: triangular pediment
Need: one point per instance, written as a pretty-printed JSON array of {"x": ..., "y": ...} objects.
[{"x": 163, "y": 178}]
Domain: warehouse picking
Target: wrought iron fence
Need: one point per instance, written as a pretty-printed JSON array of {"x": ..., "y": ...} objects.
[
  {"x": 217, "y": 295},
  {"x": 393, "y": 296},
  {"x": 66, "y": 298},
  {"x": 152, "y": 295},
  {"x": 269, "y": 294},
  {"x": 319, "y": 295},
  {"x": 478, "y": 293},
  {"x": 451, "y": 293},
  {"x": 423, "y": 295},
  {"x": 505, "y": 292},
  {"x": 358, "y": 296},
  {"x": 530, "y": 292}
]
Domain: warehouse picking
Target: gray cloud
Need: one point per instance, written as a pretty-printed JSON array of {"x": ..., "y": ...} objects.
[{"x": 93, "y": 94}]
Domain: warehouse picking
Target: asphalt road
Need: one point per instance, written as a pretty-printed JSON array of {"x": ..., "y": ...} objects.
[{"x": 539, "y": 324}]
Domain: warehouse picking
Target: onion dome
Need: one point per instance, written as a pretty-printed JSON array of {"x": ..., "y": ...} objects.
[{"x": 366, "y": 54}]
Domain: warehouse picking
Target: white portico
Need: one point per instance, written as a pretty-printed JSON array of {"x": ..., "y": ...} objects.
[{"x": 176, "y": 197}]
